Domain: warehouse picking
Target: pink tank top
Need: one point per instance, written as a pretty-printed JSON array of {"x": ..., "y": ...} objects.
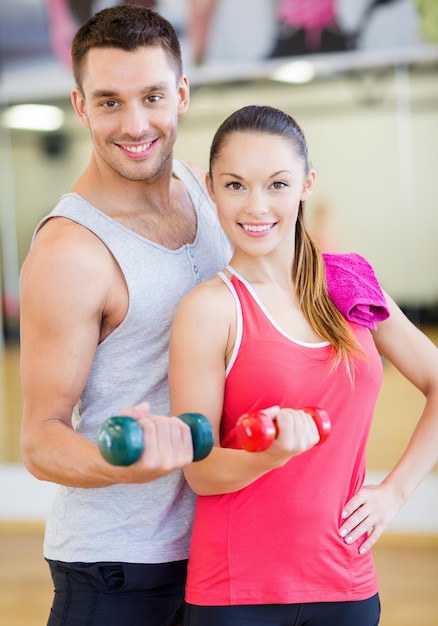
[{"x": 277, "y": 541}]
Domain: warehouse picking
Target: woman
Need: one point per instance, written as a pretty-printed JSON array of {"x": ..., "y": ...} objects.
[{"x": 283, "y": 536}]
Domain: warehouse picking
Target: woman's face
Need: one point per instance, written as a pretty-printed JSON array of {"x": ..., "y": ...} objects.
[{"x": 257, "y": 182}]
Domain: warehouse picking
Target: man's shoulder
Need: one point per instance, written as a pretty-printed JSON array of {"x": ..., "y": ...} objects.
[
  {"x": 199, "y": 171},
  {"x": 68, "y": 203},
  {"x": 195, "y": 170},
  {"x": 62, "y": 233}
]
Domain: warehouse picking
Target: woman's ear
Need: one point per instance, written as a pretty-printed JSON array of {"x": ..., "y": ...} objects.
[
  {"x": 308, "y": 186},
  {"x": 209, "y": 185}
]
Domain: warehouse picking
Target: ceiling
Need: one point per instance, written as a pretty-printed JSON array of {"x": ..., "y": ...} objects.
[{"x": 30, "y": 70}]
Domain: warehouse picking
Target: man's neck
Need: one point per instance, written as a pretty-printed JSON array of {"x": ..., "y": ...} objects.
[
  {"x": 115, "y": 195},
  {"x": 161, "y": 211}
]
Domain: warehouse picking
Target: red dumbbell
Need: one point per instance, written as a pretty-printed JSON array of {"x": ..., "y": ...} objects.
[{"x": 256, "y": 431}]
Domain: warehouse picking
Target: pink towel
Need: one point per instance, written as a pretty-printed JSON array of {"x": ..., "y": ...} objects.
[{"x": 355, "y": 290}]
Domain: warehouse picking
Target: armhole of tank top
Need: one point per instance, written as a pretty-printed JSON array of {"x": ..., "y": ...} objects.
[
  {"x": 38, "y": 227},
  {"x": 117, "y": 260},
  {"x": 239, "y": 322}
]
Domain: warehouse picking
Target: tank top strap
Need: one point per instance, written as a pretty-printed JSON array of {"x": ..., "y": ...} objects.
[{"x": 252, "y": 320}]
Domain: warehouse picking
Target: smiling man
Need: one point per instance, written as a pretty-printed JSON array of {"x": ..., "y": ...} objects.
[{"x": 105, "y": 273}]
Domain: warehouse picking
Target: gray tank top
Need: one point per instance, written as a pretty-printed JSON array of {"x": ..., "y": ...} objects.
[{"x": 147, "y": 523}]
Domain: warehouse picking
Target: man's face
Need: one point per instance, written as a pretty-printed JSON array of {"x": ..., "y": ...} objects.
[{"x": 131, "y": 102}]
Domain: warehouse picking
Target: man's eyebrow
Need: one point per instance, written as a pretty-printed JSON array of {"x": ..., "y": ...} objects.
[
  {"x": 103, "y": 93},
  {"x": 108, "y": 93}
]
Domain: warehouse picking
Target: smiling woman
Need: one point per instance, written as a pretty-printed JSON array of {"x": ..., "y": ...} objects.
[{"x": 264, "y": 335}]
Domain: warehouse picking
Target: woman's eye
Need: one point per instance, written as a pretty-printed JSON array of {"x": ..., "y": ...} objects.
[
  {"x": 234, "y": 186},
  {"x": 279, "y": 185}
]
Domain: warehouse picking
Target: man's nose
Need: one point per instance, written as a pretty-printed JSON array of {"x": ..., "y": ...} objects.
[{"x": 135, "y": 121}]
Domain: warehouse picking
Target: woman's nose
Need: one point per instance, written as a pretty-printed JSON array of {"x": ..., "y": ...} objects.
[{"x": 258, "y": 204}]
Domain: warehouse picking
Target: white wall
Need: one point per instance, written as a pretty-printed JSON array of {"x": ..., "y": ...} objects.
[{"x": 25, "y": 499}]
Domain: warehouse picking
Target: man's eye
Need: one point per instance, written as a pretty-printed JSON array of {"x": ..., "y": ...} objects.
[
  {"x": 154, "y": 98},
  {"x": 110, "y": 104}
]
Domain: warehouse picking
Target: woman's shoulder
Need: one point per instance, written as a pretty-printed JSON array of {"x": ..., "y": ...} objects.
[{"x": 211, "y": 297}]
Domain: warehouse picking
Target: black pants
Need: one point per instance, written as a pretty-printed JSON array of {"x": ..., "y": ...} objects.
[
  {"x": 357, "y": 613},
  {"x": 117, "y": 594}
]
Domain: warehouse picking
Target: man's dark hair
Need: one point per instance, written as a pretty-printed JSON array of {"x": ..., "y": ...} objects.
[{"x": 127, "y": 27}]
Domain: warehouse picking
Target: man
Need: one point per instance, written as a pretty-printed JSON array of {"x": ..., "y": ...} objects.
[{"x": 105, "y": 273}]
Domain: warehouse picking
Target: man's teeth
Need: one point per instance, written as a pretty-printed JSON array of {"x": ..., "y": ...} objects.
[
  {"x": 256, "y": 229},
  {"x": 138, "y": 149}
]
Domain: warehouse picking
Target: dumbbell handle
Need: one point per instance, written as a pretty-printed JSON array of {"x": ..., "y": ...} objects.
[
  {"x": 256, "y": 431},
  {"x": 120, "y": 438}
]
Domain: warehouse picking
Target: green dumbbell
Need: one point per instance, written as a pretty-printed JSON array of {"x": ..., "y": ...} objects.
[{"x": 120, "y": 438}]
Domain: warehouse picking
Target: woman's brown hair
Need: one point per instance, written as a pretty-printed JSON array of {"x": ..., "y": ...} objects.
[{"x": 308, "y": 270}]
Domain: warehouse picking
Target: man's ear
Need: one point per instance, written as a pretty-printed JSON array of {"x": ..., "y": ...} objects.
[
  {"x": 183, "y": 95},
  {"x": 78, "y": 102}
]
